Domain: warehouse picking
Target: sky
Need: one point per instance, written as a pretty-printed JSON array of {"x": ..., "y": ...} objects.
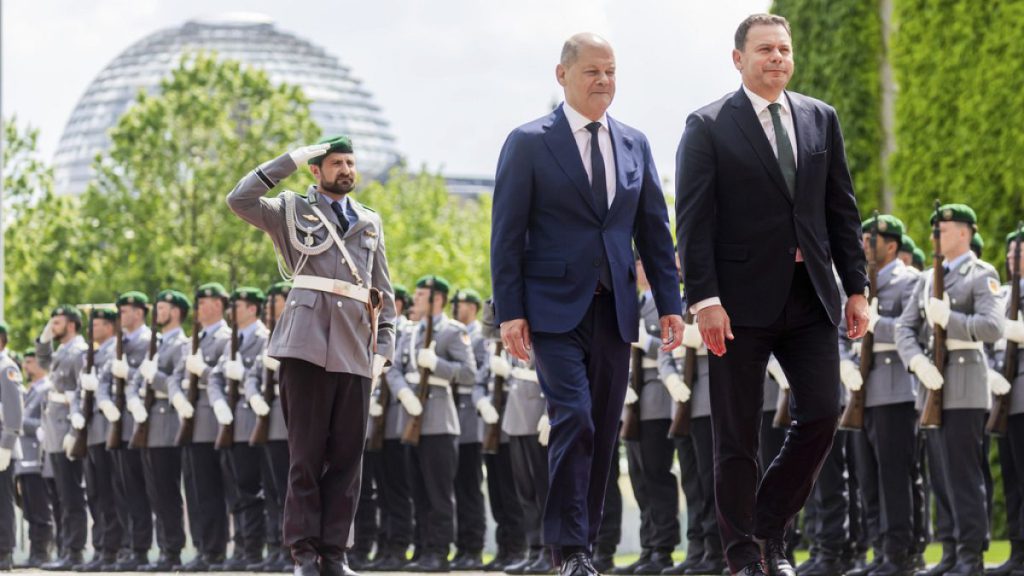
[{"x": 453, "y": 77}]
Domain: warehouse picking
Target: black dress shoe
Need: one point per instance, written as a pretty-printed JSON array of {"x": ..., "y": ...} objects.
[
  {"x": 577, "y": 564},
  {"x": 389, "y": 561},
  {"x": 98, "y": 563},
  {"x": 165, "y": 563},
  {"x": 752, "y": 569},
  {"x": 542, "y": 565},
  {"x": 34, "y": 560},
  {"x": 896, "y": 565},
  {"x": 1014, "y": 563},
  {"x": 197, "y": 564},
  {"x": 645, "y": 556},
  {"x": 66, "y": 562},
  {"x": 308, "y": 567},
  {"x": 824, "y": 566},
  {"x": 503, "y": 559},
  {"x": 467, "y": 561},
  {"x": 429, "y": 562},
  {"x": 336, "y": 567},
  {"x": 603, "y": 560},
  {"x": 6, "y": 562},
  {"x": 775, "y": 559},
  {"x": 130, "y": 563},
  {"x": 870, "y": 567},
  {"x": 658, "y": 561},
  {"x": 531, "y": 556},
  {"x": 711, "y": 565},
  {"x": 969, "y": 562},
  {"x": 694, "y": 556}
]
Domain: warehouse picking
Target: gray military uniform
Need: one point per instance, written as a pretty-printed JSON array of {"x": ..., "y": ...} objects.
[
  {"x": 11, "y": 406},
  {"x": 250, "y": 352},
  {"x": 31, "y": 451},
  {"x": 524, "y": 400},
  {"x": 655, "y": 401},
  {"x": 255, "y": 384},
  {"x": 136, "y": 348},
  {"x": 214, "y": 341},
  {"x": 1017, "y": 391},
  {"x": 98, "y": 424},
  {"x": 470, "y": 423},
  {"x": 64, "y": 365},
  {"x": 163, "y": 420}
]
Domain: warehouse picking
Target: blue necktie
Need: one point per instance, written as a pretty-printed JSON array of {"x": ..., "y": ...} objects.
[
  {"x": 340, "y": 213},
  {"x": 598, "y": 179}
]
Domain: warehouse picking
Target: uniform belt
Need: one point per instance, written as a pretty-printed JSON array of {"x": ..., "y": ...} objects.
[
  {"x": 414, "y": 378},
  {"x": 160, "y": 395},
  {"x": 648, "y": 363},
  {"x": 524, "y": 374},
  {"x": 57, "y": 397},
  {"x": 332, "y": 286},
  {"x": 953, "y": 345},
  {"x": 879, "y": 347},
  {"x": 464, "y": 389}
]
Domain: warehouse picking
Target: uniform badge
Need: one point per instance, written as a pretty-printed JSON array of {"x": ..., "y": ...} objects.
[
  {"x": 370, "y": 233},
  {"x": 168, "y": 298},
  {"x": 131, "y": 299},
  {"x": 883, "y": 226},
  {"x": 465, "y": 338},
  {"x": 13, "y": 374},
  {"x": 993, "y": 286},
  {"x": 311, "y": 217},
  {"x": 947, "y": 214},
  {"x": 208, "y": 292}
]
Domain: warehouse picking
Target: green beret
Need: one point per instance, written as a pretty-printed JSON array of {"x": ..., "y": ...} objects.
[
  {"x": 282, "y": 288},
  {"x": 401, "y": 292},
  {"x": 977, "y": 242},
  {"x": 249, "y": 294},
  {"x": 919, "y": 257},
  {"x": 342, "y": 144},
  {"x": 888, "y": 225},
  {"x": 211, "y": 290},
  {"x": 468, "y": 295},
  {"x": 440, "y": 284},
  {"x": 175, "y": 298},
  {"x": 30, "y": 353},
  {"x": 104, "y": 313},
  {"x": 68, "y": 310},
  {"x": 955, "y": 213},
  {"x": 3, "y": 328},
  {"x": 133, "y": 298},
  {"x": 907, "y": 244}
]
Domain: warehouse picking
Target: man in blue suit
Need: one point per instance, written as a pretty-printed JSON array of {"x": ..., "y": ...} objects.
[{"x": 575, "y": 190}]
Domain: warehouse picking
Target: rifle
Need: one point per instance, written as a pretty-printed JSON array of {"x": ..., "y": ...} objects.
[
  {"x": 81, "y": 446},
  {"x": 853, "y": 416},
  {"x": 414, "y": 428},
  {"x": 140, "y": 438},
  {"x": 226, "y": 434},
  {"x": 261, "y": 432},
  {"x": 117, "y": 428},
  {"x": 997, "y": 418},
  {"x": 681, "y": 418},
  {"x": 931, "y": 415},
  {"x": 492, "y": 433},
  {"x": 188, "y": 425},
  {"x": 631, "y": 417},
  {"x": 375, "y": 442}
]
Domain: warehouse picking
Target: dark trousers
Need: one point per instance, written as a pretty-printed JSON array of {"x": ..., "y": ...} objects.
[
  {"x": 107, "y": 530},
  {"x": 832, "y": 499},
  {"x": 67, "y": 475},
  {"x": 130, "y": 491},
  {"x": 956, "y": 457},
  {"x": 35, "y": 509},
  {"x": 610, "y": 533},
  {"x": 583, "y": 375},
  {"x": 501, "y": 494},
  {"x": 890, "y": 434},
  {"x": 868, "y": 482},
  {"x": 689, "y": 479},
  {"x": 471, "y": 517},
  {"x": 803, "y": 341},
  {"x": 7, "y": 528},
  {"x": 704, "y": 471},
  {"x": 275, "y": 486},
  {"x": 367, "y": 529},
  {"x": 1011, "y": 459},
  {"x": 58, "y": 519},
  {"x": 432, "y": 467},
  {"x": 396, "y": 512},
  {"x": 530, "y": 476},
  {"x": 326, "y": 414},
  {"x": 161, "y": 468},
  {"x": 246, "y": 465},
  {"x": 922, "y": 502},
  {"x": 650, "y": 467},
  {"x": 204, "y": 496}
]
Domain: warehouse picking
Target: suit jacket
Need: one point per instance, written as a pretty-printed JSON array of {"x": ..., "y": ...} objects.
[
  {"x": 548, "y": 243},
  {"x": 738, "y": 228},
  {"x": 163, "y": 420}
]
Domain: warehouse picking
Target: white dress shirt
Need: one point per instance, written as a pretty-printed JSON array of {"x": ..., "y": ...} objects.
[{"x": 578, "y": 124}]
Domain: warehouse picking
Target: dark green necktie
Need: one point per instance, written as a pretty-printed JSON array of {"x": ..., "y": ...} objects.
[{"x": 786, "y": 160}]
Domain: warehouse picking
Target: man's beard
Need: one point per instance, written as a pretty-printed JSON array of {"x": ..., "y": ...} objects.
[{"x": 338, "y": 186}]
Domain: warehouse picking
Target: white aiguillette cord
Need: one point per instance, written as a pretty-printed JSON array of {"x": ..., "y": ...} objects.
[{"x": 341, "y": 245}]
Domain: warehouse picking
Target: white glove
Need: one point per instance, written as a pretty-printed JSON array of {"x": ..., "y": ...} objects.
[
  {"x": 196, "y": 364},
  {"x": 234, "y": 370},
  {"x": 500, "y": 366},
  {"x": 849, "y": 373},
  {"x": 410, "y": 402},
  {"x": 487, "y": 411},
  {"x": 544, "y": 430},
  {"x": 148, "y": 370},
  {"x": 938, "y": 311},
  {"x": 427, "y": 358},
  {"x": 46, "y": 336},
  {"x": 855, "y": 348},
  {"x": 68, "y": 444},
  {"x": 301, "y": 155},
  {"x": 873, "y": 316},
  {"x": 119, "y": 368},
  {"x": 138, "y": 410},
  {"x": 110, "y": 412},
  {"x": 377, "y": 367},
  {"x": 89, "y": 381},
  {"x": 643, "y": 341},
  {"x": 376, "y": 410},
  {"x": 1014, "y": 330},
  {"x": 180, "y": 403},
  {"x": 776, "y": 372},
  {"x": 271, "y": 364},
  {"x": 678, "y": 389},
  {"x": 997, "y": 384},
  {"x": 631, "y": 396},
  {"x": 223, "y": 412},
  {"x": 5, "y": 459},
  {"x": 40, "y": 435},
  {"x": 926, "y": 372},
  {"x": 77, "y": 420},
  {"x": 691, "y": 336},
  {"x": 259, "y": 405}
]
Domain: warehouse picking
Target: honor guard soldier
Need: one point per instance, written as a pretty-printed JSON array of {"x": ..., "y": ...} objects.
[
  {"x": 970, "y": 315},
  {"x": 65, "y": 364},
  {"x": 161, "y": 457},
  {"x": 204, "y": 484},
  {"x": 35, "y": 500},
  {"x": 335, "y": 337},
  {"x": 433, "y": 463},
  {"x": 906, "y": 253},
  {"x": 245, "y": 461},
  {"x": 11, "y": 414}
]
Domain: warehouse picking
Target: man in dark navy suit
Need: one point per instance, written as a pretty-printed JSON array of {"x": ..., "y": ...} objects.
[
  {"x": 765, "y": 208},
  {"x": 574, "y": 191}
]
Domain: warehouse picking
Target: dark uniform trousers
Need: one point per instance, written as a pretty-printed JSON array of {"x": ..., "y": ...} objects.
[
  {"x": 132, "y": 505},
  {"x": 396, "y": 524},
  {"x": 58, "y": 519},
  {"x": 469, "y": 497},
  {"x": 832, "y": 501},
  {"x": 432, "y": 467},
  {"x": 7, "y": 528},
  {"x": 530, "y": 476},
  {"x": 246, "y": 466},
  {"x": 1011, "y": 460},
  {"x": 655, "y": 488},
  {"x": 275, "y": 486},
  {"x": 922, "y": 489},
  {"x": 323, "y": 476},
  {"x": 161, "y": 468},
  {"x": 35, "y": 509},
  {"x": 205, "y": 498},
  {"x": 67, "y": 476},
  {"x": 501, "y": 494},
  {"x": 701, "y": 463},
  {"x": 886, "y": 466},
  {"x": 107, "y": 530},
  {"x": 367, "y": 527},
  {"x": 956, "y": 460}
]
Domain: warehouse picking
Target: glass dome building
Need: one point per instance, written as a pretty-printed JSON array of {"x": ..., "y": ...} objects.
[{"x": 339, "y": 102}]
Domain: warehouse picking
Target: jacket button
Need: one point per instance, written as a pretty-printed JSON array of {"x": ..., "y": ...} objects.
[
  {"x": 888, "y": 360},
  {"x": 597, "y": 262},
  {"x": 961, "y": 359},
  {"x": 339, "y": 303},
  {"x": 792, "y": 250}
]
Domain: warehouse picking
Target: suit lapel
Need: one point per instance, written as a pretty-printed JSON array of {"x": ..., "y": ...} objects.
[
  {"x": 803, "y": 122},
  {"x": 560, "y": 141},
  {"x": 745, "y": 118},
  {"x": 622, "y": 147}
]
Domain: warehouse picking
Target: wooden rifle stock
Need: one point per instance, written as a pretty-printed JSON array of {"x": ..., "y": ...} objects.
[
  {"x": 853, "y": 416},
  {"x": 187, "y": 427},
  {"x": 681, "y": 418},
  {"x": 998, "y": 417},
  {"x": 631, "y": 417},
  {"x": 226, "y": 434},
  {"x": 140, "y": 437},
  {"x": 931, "y": 414},
  {"x": 117, "y": 428},
  {"x": 81, "y": 445},
  {"x": 492, "y": 433},
  {"x": 414, "y": 428},
  {"x": 261, "y": 431}
]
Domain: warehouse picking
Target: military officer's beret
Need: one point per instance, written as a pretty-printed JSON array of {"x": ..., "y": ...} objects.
[
  {"x": 69, "y": 311},
  {"x": 401, "y": 293},
  {"x": 468, "y": 295},
  {"x": 888, "y": 225},
  {"x": 977, "y": 242},
  {"x": 955, "y": 213},
  {"x": 211, "y": 290},
  {"x": 440, "y": 284},
  {"x": 133, "y": 298},
  {"x": 919, "y": 257},
  {"x": 342, "y": 144},
  {"x": 3, "y": 328},
  {"x": 249, "y": 294},
  {"x": 104, "y": 313},
  {"x": 282, "y": 288},
  {"x": 907, "y": 244},
  {"x": 30, "y": 353},
  {"x": 1013, "y": 236},
  {"x": 174, "y": 298}
]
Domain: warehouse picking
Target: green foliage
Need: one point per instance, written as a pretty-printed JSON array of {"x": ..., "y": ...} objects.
[{"x": 838, "y": 50}]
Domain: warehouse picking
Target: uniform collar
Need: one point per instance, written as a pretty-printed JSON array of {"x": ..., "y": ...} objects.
[
  {"x": 891, "y": 266},
  {"x": 249, "y": 330},
  {"x": 955, "y": 263},
  {"x": 136, "y": 333},
  {"x": 172, "y": 333},
  {"x": 214, "y": 327},
  {"x": 109, "y": 342},
  {"x": 40, "y": 383}
]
